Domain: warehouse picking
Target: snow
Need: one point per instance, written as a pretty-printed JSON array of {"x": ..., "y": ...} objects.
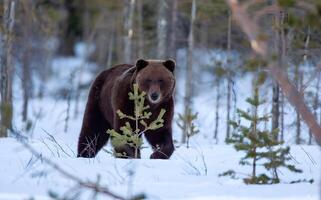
[
  {"x": 184, "y": 176},
  {"x": 190, "y": 174}
]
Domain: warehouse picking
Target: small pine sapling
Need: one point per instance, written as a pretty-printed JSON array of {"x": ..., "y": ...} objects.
[
  {"x": 189, "y": 121},
  {"x": 260, "y": 146},
  {"x": 132, "y": 135}
]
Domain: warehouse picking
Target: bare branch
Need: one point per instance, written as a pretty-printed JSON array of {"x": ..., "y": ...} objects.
[
  {"x": 85, "y": 184},
  {"x": 249, "y": 28}
]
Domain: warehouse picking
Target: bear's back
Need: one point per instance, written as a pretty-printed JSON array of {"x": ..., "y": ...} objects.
[
  {"x": 109, "y": 83},
  {"x": 118, "y": 70}
]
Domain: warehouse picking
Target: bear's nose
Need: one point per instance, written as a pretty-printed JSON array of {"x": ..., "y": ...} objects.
[{"x": 154, "y": 96}]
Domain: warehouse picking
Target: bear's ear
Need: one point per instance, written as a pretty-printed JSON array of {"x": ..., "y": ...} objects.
[
  {"x": 170, "y": 65},
  {"x": 140, "y": 64}
]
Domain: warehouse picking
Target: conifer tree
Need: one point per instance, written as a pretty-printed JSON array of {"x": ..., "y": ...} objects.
[
  {"x": 261, "y": 147},
  {"x": 189, "y": 121},
  {"x": 132, "y": 135}
]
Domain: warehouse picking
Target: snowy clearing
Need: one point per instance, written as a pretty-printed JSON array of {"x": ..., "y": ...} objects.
[{"x": 185, "y": 176}]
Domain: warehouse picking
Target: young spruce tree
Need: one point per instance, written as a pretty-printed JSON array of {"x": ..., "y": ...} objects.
[
  {"x": 260, "y": 146},
  {"x": 188, "y": 121},
  {"x": 132, "y": 135}
]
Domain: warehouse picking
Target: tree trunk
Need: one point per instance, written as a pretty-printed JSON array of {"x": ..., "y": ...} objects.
[
  {"x": 161, "y": 29},
  {"x": 100, "y": 34},
  {"x": 172, "y": 44},
  {"x": 254, "y": 166},
  {"x": 298, "y": 119},
  {"x": 234, "y": 97},
  {"x": 228, "y": 108},
  {"x": 282, "y": 118},
  {"x": 6, "y": 64},
  {"x": 284, "y": 42},
  {"x": 217, "y": 116},
  {"x": 204, "y": 26},
  {"x": 111, "y": 47},
  {"x": 298, "y": 129},
  {"x": 129, "y": 18},
  {"x": 315, "y": 106},
  {"x": 172, "y": 35},
  {"x": 280, "y": 48},
  {"x": 189, "y": 71},
  {"x": 140, "y": 29},
  {"x": 72, "y": 30},
  {"x": 26, "y": 84},
  {"x": 316, "y": 98},
  {"x": 275, "y": 106},
  {"x": 26, "y": 81},
  {"x": 87, "y": 37},
  {"x": 111, "y": 42},
  {"x": 229, "y": 79}
]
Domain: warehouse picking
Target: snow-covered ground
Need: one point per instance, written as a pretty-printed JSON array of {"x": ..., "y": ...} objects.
[{"x": 190, "y": 173}]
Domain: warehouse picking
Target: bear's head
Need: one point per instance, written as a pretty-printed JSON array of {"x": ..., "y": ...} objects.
[{"x": 156, "y": 78}]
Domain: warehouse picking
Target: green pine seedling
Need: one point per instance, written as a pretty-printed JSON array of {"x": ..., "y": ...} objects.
[
  {"x": 187, "y": 124},
  {"x": 132, "y": 135},
  {"x": 260, "y": 146}
]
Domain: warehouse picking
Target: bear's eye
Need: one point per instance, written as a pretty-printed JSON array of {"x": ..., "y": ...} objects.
[
  {"x": 148, "y": 81},
  {"x": 160, "y": 81}
]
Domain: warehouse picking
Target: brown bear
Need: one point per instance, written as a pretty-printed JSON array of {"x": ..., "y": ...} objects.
[{"x": 109, "y": 93}]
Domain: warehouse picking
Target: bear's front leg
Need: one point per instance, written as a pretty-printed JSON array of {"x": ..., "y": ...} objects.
[
  {"x": 162, "y": 143},
  {"x": 127, "y": 151},
  {"x": 162, "y": 152}
]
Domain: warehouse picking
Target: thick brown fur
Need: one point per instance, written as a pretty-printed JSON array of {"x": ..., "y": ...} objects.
[{"x": 109, "y": 93}]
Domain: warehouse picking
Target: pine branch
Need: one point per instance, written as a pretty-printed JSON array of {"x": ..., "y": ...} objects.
[{"x": 132, "y": 135}]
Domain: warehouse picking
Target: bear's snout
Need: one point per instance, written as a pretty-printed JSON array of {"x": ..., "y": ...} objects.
[{"x": 154, "y": 97}]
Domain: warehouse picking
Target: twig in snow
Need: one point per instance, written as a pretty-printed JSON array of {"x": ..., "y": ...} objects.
[
  {"x": 53, "y": 139},
  {"x": 86, "y": 184},
  {"x": 309, "y": 156}
]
